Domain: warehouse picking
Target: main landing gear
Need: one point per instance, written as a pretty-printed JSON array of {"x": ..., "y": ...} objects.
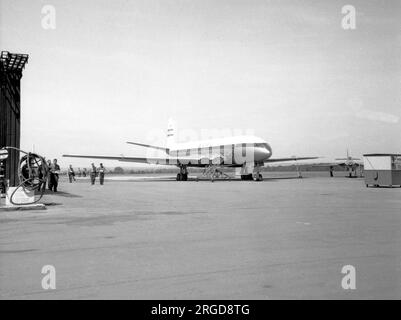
[
  {"x": 183, "y": 175},
  {"x": 257, "y": 177}
]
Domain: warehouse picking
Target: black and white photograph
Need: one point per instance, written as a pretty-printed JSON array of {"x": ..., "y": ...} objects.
[{"x": 212, "y": 151}]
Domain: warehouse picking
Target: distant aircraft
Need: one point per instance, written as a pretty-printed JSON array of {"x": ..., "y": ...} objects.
[
  {"x": 249, "y": 153},
  {"x": 350, "y": 163}
]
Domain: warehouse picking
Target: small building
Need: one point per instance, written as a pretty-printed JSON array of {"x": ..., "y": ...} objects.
[{"x": 382, "y": 169}]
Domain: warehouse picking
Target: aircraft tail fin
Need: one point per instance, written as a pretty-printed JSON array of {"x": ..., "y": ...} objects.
[
  {"x": 171, "y": 134},
  {"x": 348, "y": 157}
]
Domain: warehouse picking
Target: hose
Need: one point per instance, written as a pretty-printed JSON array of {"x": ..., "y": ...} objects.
[{"x": 32, "y": 174}]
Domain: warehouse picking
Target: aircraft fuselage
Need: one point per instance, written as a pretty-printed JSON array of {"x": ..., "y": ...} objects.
[{"x": 225, "y": 151}]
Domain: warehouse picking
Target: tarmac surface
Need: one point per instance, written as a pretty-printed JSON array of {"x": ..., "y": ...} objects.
[{"x": 283, "y": 238}]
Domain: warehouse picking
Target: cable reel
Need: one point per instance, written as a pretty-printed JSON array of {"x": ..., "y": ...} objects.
[{"x": 32, "y": 173}]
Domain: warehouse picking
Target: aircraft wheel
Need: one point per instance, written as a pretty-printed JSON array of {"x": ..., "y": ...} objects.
[{"x": 178, "y": 177}]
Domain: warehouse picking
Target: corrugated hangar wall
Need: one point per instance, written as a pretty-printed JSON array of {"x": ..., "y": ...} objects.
[{"x": 11, "y": 66}]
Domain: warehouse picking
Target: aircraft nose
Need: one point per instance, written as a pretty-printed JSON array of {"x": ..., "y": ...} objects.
[
  {"x": 263, "y": 153},
  {"x": 268, "y": 150}
]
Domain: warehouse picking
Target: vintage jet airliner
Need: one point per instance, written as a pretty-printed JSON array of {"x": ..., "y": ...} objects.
[{"x": 249, "y": 153}]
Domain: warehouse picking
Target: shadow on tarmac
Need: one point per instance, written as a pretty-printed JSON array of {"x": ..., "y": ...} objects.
[{"x": 62, "y": 194}]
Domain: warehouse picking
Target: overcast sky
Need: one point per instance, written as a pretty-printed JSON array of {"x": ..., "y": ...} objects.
[{"x": 114, "y": 71}]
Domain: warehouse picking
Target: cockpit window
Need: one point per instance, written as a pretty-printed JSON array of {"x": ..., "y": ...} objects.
[{"x": 261, "y": 145}]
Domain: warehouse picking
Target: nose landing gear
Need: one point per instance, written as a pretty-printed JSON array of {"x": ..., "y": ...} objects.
[
  {"x": 246, "y": 177},
  {"x": 257, "y": 176},
  {"x": 251, "y": 172}
]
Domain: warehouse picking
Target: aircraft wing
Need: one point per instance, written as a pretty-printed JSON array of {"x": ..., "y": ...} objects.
[
  {"x": 333, "y": 164},
  {"x": 195, "y": 162},
  {"x": 289, "y": 159},
  {"x": 344, "y": 159}
]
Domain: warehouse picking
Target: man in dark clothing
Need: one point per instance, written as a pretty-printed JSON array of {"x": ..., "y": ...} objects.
[
  {"x": 93, "y": 173},
  {"x": 49, "y": 182},
  {"x": 54, "y": 172},
  {"x": 101, "y": 173},
  {"x": 43, "y": 173},
  {"x": 331, "y": 171},
  {"x": 71, "y": 174}
]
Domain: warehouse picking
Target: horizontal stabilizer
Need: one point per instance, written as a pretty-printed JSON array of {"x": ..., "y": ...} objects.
[{"x": 149, "y": 146}]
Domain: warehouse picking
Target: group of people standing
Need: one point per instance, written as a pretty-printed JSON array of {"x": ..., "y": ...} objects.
[
  {"x": 93, "y": 172},
  {"x": 52, "y": 176},
  {"x": 80, "y": 173}
]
